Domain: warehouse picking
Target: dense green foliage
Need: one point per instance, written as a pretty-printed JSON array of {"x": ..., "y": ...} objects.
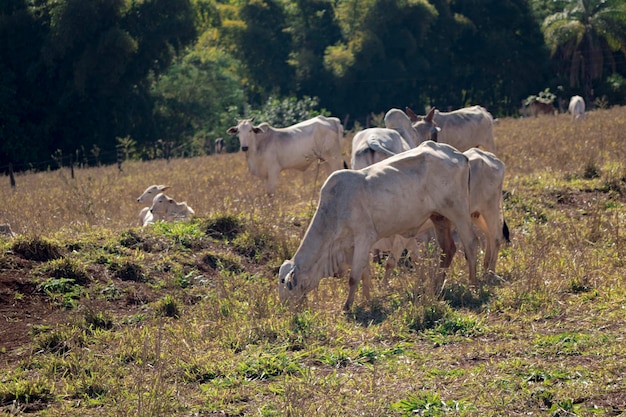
[{"x": 82, "y": 76}]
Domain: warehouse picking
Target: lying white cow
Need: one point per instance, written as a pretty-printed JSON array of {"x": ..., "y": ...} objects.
[
  {"x": 395, "y": 196},
  {"x": 271, "y": 150},
  {"x": 145, "y": 216},
  {"x": 576, "y": 107},
  {"x": 471, "y": 127},
  {"x": 375, "y": 144},
  {"x": 167, "y": 209}
]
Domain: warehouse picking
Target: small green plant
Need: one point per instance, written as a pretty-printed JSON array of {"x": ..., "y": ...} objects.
[
  {"x": 430, "y": 405},
  {"x": 168, "y": 306},
  {"x": 24, "y": 391},
  {"x": 62, "y": 291},
  {"x": 68, "y": 268},
  {"x": 128, "y": 271}
]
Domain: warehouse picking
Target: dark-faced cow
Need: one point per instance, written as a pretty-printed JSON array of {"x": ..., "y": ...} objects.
[
  {"x": 395, "y": 196},
  {"x": 270, "y": 150},
  {"x": 470, "y": 127},
  {"x": 576, "y": 107}
]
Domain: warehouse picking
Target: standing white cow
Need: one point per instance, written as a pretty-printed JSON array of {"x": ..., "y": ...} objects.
[
  {"x": 271, "y": 150},
  {"x": 375, "y": 144},
  {"x": 486, "y": 209},
  {"x": 470, "y": 127},
  {"x": 576, "y": 107},
  {"x": 395, "y": 196}
]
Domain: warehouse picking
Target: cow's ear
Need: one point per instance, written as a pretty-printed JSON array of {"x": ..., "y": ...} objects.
[
  {"x": 429, "y": 116},
  {"x": 291, "y": 279},
  {"x": 256, "y": 129},
  {"x": 232, "y": 130},
  {"x": 409, "y": 112}
]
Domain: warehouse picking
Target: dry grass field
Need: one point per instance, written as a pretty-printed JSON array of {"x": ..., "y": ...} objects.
[{"x": 101, "y": 317}]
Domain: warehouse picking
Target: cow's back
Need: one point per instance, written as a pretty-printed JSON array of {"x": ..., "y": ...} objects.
[{"x": 466, "y": 128}]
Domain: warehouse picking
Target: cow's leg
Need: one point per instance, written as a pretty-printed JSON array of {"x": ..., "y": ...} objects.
[
  {"x": 272, "y": 180},
  {"x": 443, "y": 231},
  {"x": 470, "y": 245},
  {"x": 360, "y": 269}
]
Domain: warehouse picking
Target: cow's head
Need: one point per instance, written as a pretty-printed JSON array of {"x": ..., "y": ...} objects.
[
  {"x": 426, "y": 127},
  {"x": 290, "y": 286},
  {"x": 151, "y": 192},
  {"x": 245, "y": 129}
]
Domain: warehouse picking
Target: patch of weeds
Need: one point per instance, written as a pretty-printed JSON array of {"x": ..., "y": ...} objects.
[
  {"x": 267, "y": 365},
  {"x": 128, "y": 271},
  {"x": 430, "y": 405},
  {"x": 196, "y": 373},
  {"x": 591, "y": 171},
  {"x": 340, "y": 358},
  {"x": 130, "y": 239},
  {"x": 186, "y": 234},
  {"x": 220, "y": 262},
  {"x": 52, "y": 342},
  {"x": 68, "y": 268},
  {"x": 562, "y": 344},
  {"x": 24, "y": 392},
  {"x": 224, "y": 227},
  {"x": 168, "y": 307},
  {"x": 257, "y": 246},
  {"x": 423, "y": 317},
  {"x": 62, "y": 291},
  {"x": 37, "y": 249},
  {"x": 460, "y": 296},
  {"x": 98, "y": 320},
  {"x": 111, "y": 293}
]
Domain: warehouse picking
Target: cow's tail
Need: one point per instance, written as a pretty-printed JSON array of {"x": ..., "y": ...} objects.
[{"x": 505, "y": 227}]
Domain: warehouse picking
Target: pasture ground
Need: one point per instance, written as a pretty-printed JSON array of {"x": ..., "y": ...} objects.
[{"x": 103, "y": 318}]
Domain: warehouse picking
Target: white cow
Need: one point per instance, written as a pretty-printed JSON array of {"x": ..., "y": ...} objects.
[
  {"x": 220, "y": 146},
  {"x": 151, "y": 192},
  {"x": 486, "y": 208},
  {"x": 167, "y": 209},
  {"x": 375, "y": 144},
  {"x": 576, "y": 107},
  {"x": 466, "y": 128},
  {"x": 395, "y": 196},
  {"x": 271, "y": 150},
  {"x": 145, "y": 216}
]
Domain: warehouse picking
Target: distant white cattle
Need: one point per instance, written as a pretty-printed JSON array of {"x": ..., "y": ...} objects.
[
  {"x": 167, "y": 209},
  {"x": 396, "y": 196},
  {"x": 375, "y": 144},
  {"x": 271, "y": 150},
  {"x": 470, "y": 127},
  {"x": 576, "y": 107}
]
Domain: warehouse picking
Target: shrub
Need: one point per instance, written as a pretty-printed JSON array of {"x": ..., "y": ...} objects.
[{"x": 37, "y": 249}]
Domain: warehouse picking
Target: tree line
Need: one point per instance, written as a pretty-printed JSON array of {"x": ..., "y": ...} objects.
[{"x": 161, "y": 78}]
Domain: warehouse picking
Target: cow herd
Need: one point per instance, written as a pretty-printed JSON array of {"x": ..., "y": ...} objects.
[{"x": 436, "y": 174}]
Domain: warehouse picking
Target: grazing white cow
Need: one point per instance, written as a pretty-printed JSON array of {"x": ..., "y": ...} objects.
[
  {"x": 576, "y": 107},
  {"x": 167, "y": 209},
  {"x": 486, "y": 209},
  {"x": 357, "y": 208},
  {"x": 271, "y": 150},
  {"x": 375, "y": 144},
  {"x": 470, "y": 127}
]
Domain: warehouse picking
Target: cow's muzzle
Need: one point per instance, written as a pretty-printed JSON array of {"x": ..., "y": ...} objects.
[{"x": 244, "y": 148}]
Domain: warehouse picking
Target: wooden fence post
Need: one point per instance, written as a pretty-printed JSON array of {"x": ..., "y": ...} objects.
[{"x": 11, "y": 176}]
